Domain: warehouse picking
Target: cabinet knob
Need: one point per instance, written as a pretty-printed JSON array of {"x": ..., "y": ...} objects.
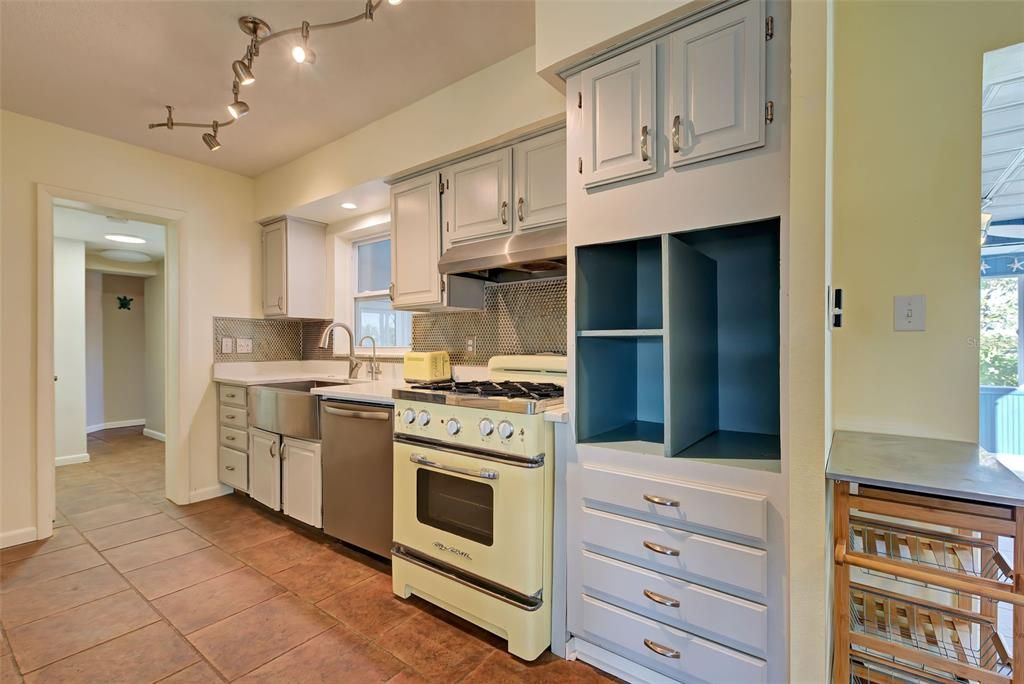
[
  {"x": 519, "y": 208},
  {"x": 229, "y": 467}
]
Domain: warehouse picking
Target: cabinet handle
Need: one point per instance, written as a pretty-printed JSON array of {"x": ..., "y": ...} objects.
[
  {"x": 230, "y": 395},
  {"x": 229, "y": 438},
  {"x": 661, "y": 501},
  {"x": 643, "y": 144},
  {"x": 229, "y": 416},
  {"x": 229, "y": 467},
  {"x": 675, "y": 134},
  {"x": 519, "y": 209},
  {"x": 273, "y": 451},
  {"x": 504, "y": 213},
  {"x": 663, "y": 550},
  {"x": 661, "y": 598},
  {"x": 391, "y": 292},
  {"x": 663, "y": 651},
  {"x": 280, "y": 301}
]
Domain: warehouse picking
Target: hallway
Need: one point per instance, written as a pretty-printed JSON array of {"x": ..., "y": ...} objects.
[{"x": 133, "y": 588}]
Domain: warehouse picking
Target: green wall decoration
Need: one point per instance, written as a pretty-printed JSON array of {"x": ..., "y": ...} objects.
[{"x": 124, "y": 303}]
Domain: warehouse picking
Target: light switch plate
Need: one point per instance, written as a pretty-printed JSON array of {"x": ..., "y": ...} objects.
[
  {"x": 244, "y": 345},
  {"x": 227, "y": 345},
  {"x": 908, "y": 313}
]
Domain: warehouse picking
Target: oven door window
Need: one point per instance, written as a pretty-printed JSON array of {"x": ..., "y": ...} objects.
[{"x": 456, "y": 505}]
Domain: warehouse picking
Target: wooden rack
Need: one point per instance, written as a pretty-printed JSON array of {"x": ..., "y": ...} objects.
[{"x": 918, "y": 583}]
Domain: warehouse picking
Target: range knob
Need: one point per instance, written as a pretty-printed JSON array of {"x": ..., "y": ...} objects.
[
  {"x": 454, "y": 426},
  {"x": 505, "y": 429},
  {"x": 409, "y": 416},
  {"x": 486, "y": 427},
  {"x": 424, "y": 418}
]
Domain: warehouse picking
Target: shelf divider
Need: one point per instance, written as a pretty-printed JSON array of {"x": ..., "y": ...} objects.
[{"x": 644, "y": 332}]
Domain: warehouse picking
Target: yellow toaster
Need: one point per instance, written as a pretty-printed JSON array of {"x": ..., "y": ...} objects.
[{"x": 427, "y": 366}]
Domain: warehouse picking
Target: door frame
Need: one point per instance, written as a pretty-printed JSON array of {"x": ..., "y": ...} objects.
[{"x": 176, "y": 461}]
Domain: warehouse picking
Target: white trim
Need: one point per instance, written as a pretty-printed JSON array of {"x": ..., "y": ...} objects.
[
  {"x": 15, "y": 537},
  {"x": 210, "y": 493},
  {"x": 153, "y": 434},
  {"x": 132, "y": 422},
  {"x": 71, "y": 459}
]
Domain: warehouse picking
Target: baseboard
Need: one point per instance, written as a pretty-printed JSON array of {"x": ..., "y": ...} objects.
[
  {"x": 153, "y": 434},
  {"x": 69, "y": 460},
  {"x": 616, "y": 665},
  {"x": 15, "y": 537},
  {"x": 209, "y": 493},
  {"x": 134, "y": 422}
]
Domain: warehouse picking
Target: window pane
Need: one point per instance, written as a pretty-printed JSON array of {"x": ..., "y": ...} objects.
[
  {"x": 375, "y": 318},
  {"x": 373, "y": 266},
  {"x": 999, "y": 315}
]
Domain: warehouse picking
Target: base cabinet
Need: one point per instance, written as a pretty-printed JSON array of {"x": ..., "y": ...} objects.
[
  {"x": 265, "y": 468},
  {"x": 301, "y": 481}
]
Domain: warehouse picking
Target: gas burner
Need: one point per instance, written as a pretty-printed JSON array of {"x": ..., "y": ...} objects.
[{"x": 507, "y": 389}]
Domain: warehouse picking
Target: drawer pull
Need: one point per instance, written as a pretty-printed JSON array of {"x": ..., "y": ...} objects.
[
  {"x": 661, "y": 501},
  {"x": 661, "y": 598},
  {"x": 229, "y": 467},
  {"x": 229, "y": 438},
  {"x": 663, "y": 550},
  {"x": 230, "y": 395},
  {"x": 663, "y": 651},
  {"x": 230, "y": 416}
]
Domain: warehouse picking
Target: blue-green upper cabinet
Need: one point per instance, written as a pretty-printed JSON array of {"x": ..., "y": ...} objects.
[
  {"x": 716, "y": 85},
  {"x": 617, "y": 97}
]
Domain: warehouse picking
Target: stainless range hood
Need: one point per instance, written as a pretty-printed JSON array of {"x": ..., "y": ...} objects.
[{"x": 536, "y": 252}]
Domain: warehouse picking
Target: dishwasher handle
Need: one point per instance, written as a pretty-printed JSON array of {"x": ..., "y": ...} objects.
[{"x": 365, "y": 415}]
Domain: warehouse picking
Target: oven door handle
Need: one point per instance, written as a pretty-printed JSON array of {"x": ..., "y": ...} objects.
[{"x": 482, "y": 473}]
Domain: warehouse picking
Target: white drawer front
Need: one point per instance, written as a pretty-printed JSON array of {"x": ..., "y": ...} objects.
[
  {"x": 233, "y": 416},
  {"x": 730, "y": 567},
  {"x": 234, "y": 438},
  {"x": 232, "y": 395},
  {"x": 677, "y": 503},
  {"x": 233, "y": 468},
  {"x": 726, "y": 619},
  {"x": 687, "y": 657}
]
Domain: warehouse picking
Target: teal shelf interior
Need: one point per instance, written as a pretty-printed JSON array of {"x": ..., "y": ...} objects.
[{"x": 618, "y": 286}]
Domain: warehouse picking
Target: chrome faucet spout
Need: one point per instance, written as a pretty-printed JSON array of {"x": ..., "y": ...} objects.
[
  {"x": 325, "y": 342},
  {"x": 375, "y": 371}
]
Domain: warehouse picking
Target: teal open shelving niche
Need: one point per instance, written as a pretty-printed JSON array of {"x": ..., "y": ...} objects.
[{"x": 677, "y": 343}]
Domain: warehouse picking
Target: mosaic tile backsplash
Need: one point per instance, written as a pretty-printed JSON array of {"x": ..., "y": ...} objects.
[{"x": 527, "y": 317}]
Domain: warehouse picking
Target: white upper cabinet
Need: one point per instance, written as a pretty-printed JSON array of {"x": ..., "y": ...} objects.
[
  {"x": 619, "y": 131},
  {"x": 477, "y": 197},
  {"x": 716, "y": 86},
  {"x": 416, "y": 242},
  {"x": 540, "y": 181},
  {"x": 301, "y": 482},
  {"x": 294, "y": 266},
  {"x": 264, "y": 468}
]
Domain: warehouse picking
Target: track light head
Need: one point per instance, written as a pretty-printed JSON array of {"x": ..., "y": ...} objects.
[
  {"x": 211, "y": 138},
  {"x": 238, "y": 109},
  {"x": 243, "y": 74},
  {"x": 301, "y": 53}
]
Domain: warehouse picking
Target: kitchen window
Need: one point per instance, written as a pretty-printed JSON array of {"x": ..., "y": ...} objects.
[{"x": 372, "y": 312}]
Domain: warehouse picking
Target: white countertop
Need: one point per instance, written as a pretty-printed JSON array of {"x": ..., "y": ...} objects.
[
  {"x": 263, "y": 372},
  {"x": 557, "y": 414},
  {"x": 928, "y": 466},
  {"x": 374, "y": 391}
]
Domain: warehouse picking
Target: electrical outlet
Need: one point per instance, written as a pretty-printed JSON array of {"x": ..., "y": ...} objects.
[
  {"x": 244, "y": 345},
  {"x": 908, "y": 313},
  {"x": 471, "y": 344},
  {"x": 227, "y": 345}
]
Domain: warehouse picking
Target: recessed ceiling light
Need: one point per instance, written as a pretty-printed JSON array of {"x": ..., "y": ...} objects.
[
  {"x": 348, "y": 205},
  {"x": 125, "y": 255},
  {"x": 130, "y": 239},
  {"x": 394, "y": 2}
]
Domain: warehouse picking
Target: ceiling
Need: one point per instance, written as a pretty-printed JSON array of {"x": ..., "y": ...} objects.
[
  {"x": 109, "y": 67},
  {"x": 91, "y": 227},
  {"x": 1002, "y": 134},
  {"x": 372, "y": 196}
]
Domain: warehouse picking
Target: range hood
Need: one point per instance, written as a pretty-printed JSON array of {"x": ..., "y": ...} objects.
[{"x": 539, "y": 252}]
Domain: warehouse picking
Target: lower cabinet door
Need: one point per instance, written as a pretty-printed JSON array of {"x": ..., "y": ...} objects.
[
  {"x": 265, "y": 468},
  {"x": 301, "y": 484}
]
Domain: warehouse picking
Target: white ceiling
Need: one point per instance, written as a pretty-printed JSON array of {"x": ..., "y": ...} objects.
[
  {"x": 372, "y": 196},
  {"x": 1002, "y": 134},
  {"x": 109, "y": 67},
  {"x": 90, "y": 227}
]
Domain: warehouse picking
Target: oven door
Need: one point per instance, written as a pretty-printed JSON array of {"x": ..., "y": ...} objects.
[{"x": 482, "y": 516}]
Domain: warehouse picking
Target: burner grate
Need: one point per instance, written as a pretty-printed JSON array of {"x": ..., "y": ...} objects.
[{"x": 508, "y": 389}]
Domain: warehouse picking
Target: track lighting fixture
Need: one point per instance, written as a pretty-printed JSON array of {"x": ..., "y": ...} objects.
[{"x": 259, "y": 33}]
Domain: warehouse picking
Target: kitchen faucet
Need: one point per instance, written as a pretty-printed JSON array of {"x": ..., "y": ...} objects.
[
  {"x": 375, "y": 371},
  {"x": 325, "y": 341}
]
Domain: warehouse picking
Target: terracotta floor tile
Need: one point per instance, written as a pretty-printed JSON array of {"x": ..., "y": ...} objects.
[
  {"x": 9, "y": 670},
  {"x": 5, "y": 646},
  {"x": 175, "y": 511},
  {"x": 502, "y": 666},
  {"x": 58, "y": 636},
  {"x": 59, "y": 520},
  {"x": 200, "y": 673},
  {"x": 146, "y": 655},
  {"x": 434, "y": 648},
  {"x": 36, "y": 601},
  {"x": 62, "y": 538},
  {"x": 131, "y": 531},
  {"x": 323, "y": 658},
  {"x": 369, "y": 607},
  {"x": 76, "y": 505},
  {"x": 218, "y": 518},
  {"x": 173, "y": 574},
  {"x": 407, "y": 676},
  {"x": 110, "y": 515},
  {"x": 244, "y": 642},
  {"x": 246, "y": 533},
  {"x": 153, "y": 550},
  {"x": 205, "y": 603},
  {"x": 323, "y": 574},
  {"x": 279, "y": 554},
  {"x": 48, "y": 566}
]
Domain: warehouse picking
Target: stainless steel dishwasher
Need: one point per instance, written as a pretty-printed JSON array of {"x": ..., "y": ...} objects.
[{"x": 356, "y": 448}]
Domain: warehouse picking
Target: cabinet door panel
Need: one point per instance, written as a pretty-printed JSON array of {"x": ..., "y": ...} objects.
[
  {"x": 275, "y": 269},
  {"x": 716, "y": 85},
  {"x": 416, "y": 242},
  {"x": 540, "y": 181},
  {"x": 264, "y": 468},
  {"x": 618, "y": 106},
  {"x": 301, "y": 483},
  {"x": 476, "y": 197}
]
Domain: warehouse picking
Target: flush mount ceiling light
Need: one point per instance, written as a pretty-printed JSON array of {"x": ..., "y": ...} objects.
[
  {"x": 259, "y": 33},
  {"x": 130, "y": 239},
  {"x": 126, "y": 255},
  {"x": 348, "y": 205}
]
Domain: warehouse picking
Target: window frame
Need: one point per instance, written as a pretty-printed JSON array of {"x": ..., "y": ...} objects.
[{"x": 357, "y": 296}]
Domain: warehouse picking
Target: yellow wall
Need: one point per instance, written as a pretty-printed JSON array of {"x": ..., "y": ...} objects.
[
  {"x": 907, "y": 188},
  {"x": 220, "y": 246},
  {"x": 489, "y": 103}
]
